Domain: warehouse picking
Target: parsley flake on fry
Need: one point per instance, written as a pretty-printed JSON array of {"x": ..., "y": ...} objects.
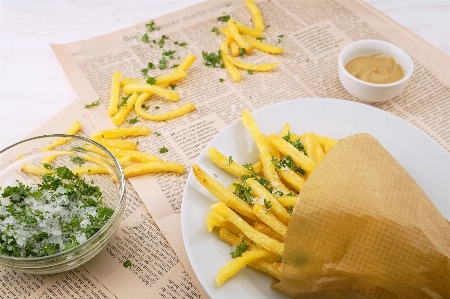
[{"x": 240, "y": 249}]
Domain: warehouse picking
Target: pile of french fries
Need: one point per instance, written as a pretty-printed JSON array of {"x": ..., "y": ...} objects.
[
  {"x": 140, "y": 91},
  {"x": 253, "y": 213},
  {"x": 133, "y": 161},
  {"x": 240, "y": 37}
]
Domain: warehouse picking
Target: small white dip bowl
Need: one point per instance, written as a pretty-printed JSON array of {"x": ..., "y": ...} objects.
[{"x": 371, "y": 92}]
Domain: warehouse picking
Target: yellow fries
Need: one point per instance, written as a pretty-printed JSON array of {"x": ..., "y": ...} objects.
[
  {"x": 261, "y": 239},
  {"x": 177, "y": 112},
  {"x": 118, "y": 143},
  {"x": 223, "y": 162},
  {"x": 144, "y": 87},
  {"x": 236, "y": 264},
  {"x": 247, "y": 30},
  {"x": 257, "y": 18},
  {"x": 115, "y": 93},
  {"x": 121, "y": 132},
  {"x": 74, "y": 128},
  {"x": 253, "y": 67},
  {"x": 232, "y": 70},
  {"x": 149, "y": 167},
  {"x": 92, "y": 169},
  {"x": 120, "y": 116},
  {"x": 264, "y": 151},
  {"x": 237, "y": 37},
  {"x": 265, "y": 47},
  {"x": 33, "y": 169}
]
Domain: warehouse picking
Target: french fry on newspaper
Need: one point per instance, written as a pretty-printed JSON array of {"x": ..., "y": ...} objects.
[
  {"x": 257, "y": 18},
  {"x": 231, "y": 69},
  {"x": 115, "y": 93},
  {"x": 121, "y": 132},
  {"x": 265, "y": 67},
  {"x": 74, "y": 129},
  {"x": 150, "y": 167},
  {"x": 124, "y": 110}
]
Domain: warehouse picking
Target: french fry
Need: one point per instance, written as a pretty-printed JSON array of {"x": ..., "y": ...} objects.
[
  {"x": 232, "y": 70},
  {"x": 118, "y": 143},
  {"x": 308, "y": 144},
  {"x": 262, "y": 46},
  {"x": 124, "y": 110},
  {"x": 187, "y": 62},
  {"x": 151, "y": 167},
  {"x": 285, "y": 130},
  {"x": 222, "y": 193},
  {"x": 49, "y": 159},
  {"x": 177, "y": 112},
  {"x": 267, "y": 267},
  {"x": 257, "y": 18},
  {"x": 223, "y": 162},
  {"x": 287, "y": 201},
  {"x": 277, "y": 209},
  {"x": 268, "y": 218},
  {"x": 74, "y": 128},
  {"x": 233, "y": 266},
  {"x": 115, "y": 93},
  {"x": 247, "y": 30},
  {"x": 261, "y": 143},
  {"x": 92, "y": 169},
  {"x": 265, "y": 67},
  {"x": 213, "y": 219},
  {"x": 134, "y": 156},
  {"x": 237, "y": 37},
  {"x": 326, "y": 143},
  {"x": 227, "y": 236},
  {"x": 33, "y": 169},
  {"x": 291, "y": 178},
  {"x": 289, "y": 150},
  {"x": 121, "y": 132},
  {"x": 318, "y": 150},
  {"x": 126, "y": 81},
  {"x": 265, "y": 229},
  {"x": 174, "y": 76},
  {"x": 154, "y": 89},
  {"x": 234, "y": 48},
  {"x": 261, "y": 239}
]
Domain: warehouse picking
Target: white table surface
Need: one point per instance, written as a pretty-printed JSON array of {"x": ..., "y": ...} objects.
[{"x": 33, "y": 86}]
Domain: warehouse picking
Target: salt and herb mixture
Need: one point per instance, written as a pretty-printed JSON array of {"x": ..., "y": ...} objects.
[{"x": 54, "y": 216}]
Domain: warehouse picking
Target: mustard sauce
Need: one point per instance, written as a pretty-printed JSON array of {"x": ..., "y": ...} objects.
[{"x": 375, "y": 69}]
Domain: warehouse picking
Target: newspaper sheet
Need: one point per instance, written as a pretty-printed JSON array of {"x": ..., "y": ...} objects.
[{"x": 312, "y": 33}]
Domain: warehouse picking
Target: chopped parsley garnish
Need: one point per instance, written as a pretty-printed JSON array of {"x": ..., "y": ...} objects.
[
  {"x": 133, "y": 121},
  {"x": 175, "y": 66},
  {"x": 267, "y": 204},
  {"x": 124, "y": 101},
  {"x": 47, "y": 166},
  {"x": 162, "y": 40},
  {"x": 224, "y": 18},
  {"x": 77, "y": 149},
  {"x": 151, "y": 26},
  {"x": 244, "y": 193},
  {"x": 56, "y": 215},
  {"x": 213, "y": 59},
  {"x": 157, "y": 134},
  {"x": 163, "y": 150},
  {"x": 215, "y": 30},
  {"x": 169, "y": 54},
  {"x": 157, "y": 107},
  {"x": 127, "y": 264},
  {"x": 93, "y": 104},
  {"x": 242, "y": 52},
  {"x": 182, "y": 44},
  {"x": 221, "y": 80},
  {"x": 230, "y": 160},
  {"x": 250, "y": 72},
  {"x": 240, "y": 249},
  {"x": 77, "y": 160},
  {"x": 145, "y": 107},
  {"x": 260, "y": 38},
  {"x": 151, "y": 80},
  {"x": 290, "y": 210},
  {"x": 145, "y": 38},
  {"x": 289, "y": 163},
  {"x": 296, "y": 143},
  {"x": 172, "y": 86},
  {"x": 280, "y": 37},
  {"x": 162, "y": 63}
]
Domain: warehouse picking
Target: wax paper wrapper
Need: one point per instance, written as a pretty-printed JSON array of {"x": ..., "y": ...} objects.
[{"x": 363, "y": 228}]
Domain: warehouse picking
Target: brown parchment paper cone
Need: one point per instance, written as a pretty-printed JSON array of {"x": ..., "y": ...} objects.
[{"x": 363, "y": 228}]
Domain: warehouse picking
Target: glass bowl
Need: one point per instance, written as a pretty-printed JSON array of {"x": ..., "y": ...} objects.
[{"x": 70, "y": 152}]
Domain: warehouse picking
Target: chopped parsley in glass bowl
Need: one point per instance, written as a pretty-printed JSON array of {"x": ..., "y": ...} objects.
[{"x": 59, "y": 203}]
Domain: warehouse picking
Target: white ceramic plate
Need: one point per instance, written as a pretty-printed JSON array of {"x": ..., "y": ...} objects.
[{"x": 425, "y": 160}]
